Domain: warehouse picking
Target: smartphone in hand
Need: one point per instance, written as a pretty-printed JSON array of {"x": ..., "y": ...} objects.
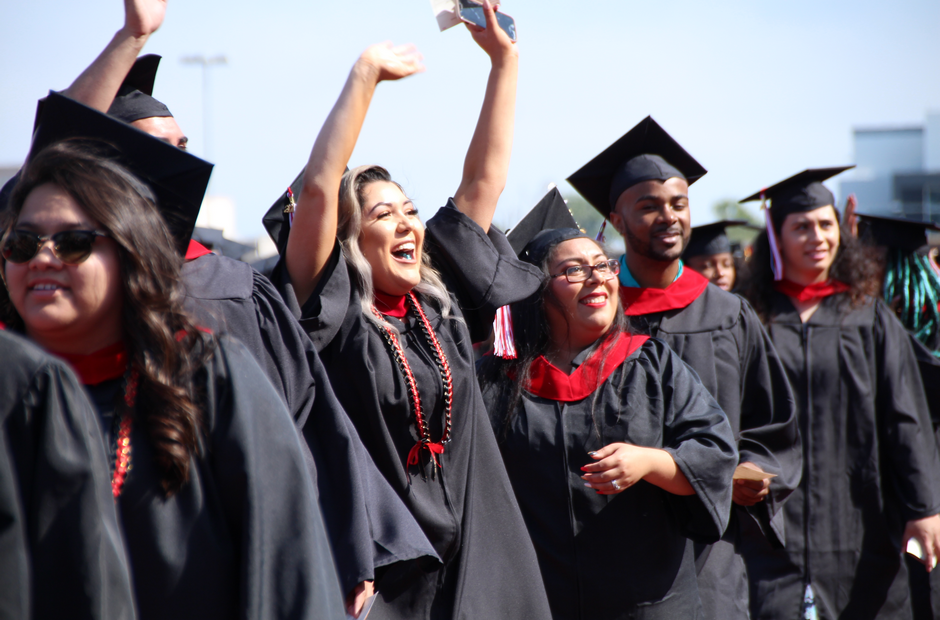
[{"x": 472, "y": 13}]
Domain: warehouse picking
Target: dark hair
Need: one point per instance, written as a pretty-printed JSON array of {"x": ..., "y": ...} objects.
[
  {"x": 532, "y": 339},
  {"x": 158, "y": 334},
  {"x": 852, "y": 265}
]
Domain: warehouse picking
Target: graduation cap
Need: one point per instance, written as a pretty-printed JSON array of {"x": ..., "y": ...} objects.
[
  {"x": 644, "y": 153},
  {"x": 178, "y": 179},
  {"x": 798, "y": 194},
  {"x": 277, "y": 219},
  {"x": 551, "y": 214},
  {"x": 901, "y": 233},
  {"x": 710, "y": 239},
  {"x": 134, "y": 99},
  {"x": 213, "y": 239}
]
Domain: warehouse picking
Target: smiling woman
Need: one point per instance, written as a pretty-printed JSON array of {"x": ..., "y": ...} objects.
[{"x": 588, "y": 413}]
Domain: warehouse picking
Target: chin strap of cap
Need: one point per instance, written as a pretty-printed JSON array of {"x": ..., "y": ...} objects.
[
  {"x": 776, "y": 260},
  {"x": 504, "y": 345}
]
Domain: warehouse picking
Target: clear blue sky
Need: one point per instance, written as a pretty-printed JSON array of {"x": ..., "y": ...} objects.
[{"x": 756, "y": 91}]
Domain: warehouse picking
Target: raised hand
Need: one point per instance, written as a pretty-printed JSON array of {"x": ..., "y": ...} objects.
[
  {"x": 492, "y": 39},
  {"x": 143, "y": 17},
  {"x": 390, "y": 62}
]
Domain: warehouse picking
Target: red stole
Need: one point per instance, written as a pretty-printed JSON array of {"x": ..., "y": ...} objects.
[
  {"x": 679, "y": 294},
  {"x": 549, "y": 382},
  {"x": 811, "y": 292},
  {"x": 195, "y": 250},
  {"x": 100, "y": 366},
  {"x": 392, "y": 305}
]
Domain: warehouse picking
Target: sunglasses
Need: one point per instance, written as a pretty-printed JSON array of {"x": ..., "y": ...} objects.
[{"x": 69, "y": 246}]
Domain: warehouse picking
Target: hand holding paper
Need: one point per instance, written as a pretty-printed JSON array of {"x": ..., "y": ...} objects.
[
  {"x": 922, "y": 540},
  {"x": 751, "y": 484}
]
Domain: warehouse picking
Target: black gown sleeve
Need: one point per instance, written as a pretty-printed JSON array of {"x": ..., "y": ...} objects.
[
  {"x": 479, "y": 268},
  {"x": 265, "y": 488},
  {"x": 699, "y": 438},
  {"x": 904, "y": 420},
  {"x": 769, "y": 434},
  {"x": 61, "y": 552}
]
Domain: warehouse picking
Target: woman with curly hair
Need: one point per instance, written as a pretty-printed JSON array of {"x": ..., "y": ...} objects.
[
  {"x": 216, "y": 502},
  {"x": 394, "y": 308},
  {"x": 871, "y": 476}
]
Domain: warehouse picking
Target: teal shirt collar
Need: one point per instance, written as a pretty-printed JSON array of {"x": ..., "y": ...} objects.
[{"x": 627, "y": 279}]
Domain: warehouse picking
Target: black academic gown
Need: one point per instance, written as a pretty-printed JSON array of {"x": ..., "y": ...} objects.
[
  {"x": 720, "y": 336},
  {"x": 244, "y": 537},
  {"x": 368, "y": 524},
  {"x": 466, "y": 508},
  {"x": 627, "y": 555},
  {"x": 61, "y": 553},
  {"x": 871, "y": 464}
]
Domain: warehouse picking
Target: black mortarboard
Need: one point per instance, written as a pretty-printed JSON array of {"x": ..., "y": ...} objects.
[
  {"x": 177, "y": 178},
  {"x": 277, "y": 219},
  {"x": 800, "y": 193},
  {"x": 547, "y": 224},
  {"x": 710, "y": 239},
  {"x": 903, "y": 234},
  {"x": 644, "y": 153},
  {"x": 134, "y": 99}
]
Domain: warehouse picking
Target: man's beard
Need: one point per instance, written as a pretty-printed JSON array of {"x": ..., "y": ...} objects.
[{"x": 643, "y": 248}]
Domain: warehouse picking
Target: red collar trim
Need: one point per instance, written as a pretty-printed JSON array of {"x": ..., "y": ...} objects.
[
  {"x": 195, "y": 250},
  {"x": 549, "y": 382},
  {"x": 679, "y": 294},
  {"x": 811, "y": 292},
  {"x": 392, "y": 305},
  {"x": 2, "y": 326},
  {"x": 100, "y": 366}
]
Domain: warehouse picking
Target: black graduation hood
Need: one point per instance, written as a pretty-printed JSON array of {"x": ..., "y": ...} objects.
[
  {"x": 710, "y": 239},
  {"x": 549, "y": 222},
  {"x": 644, "y": 153},
  {"x": 276, "y": 220},
  {"x": 134, "y": 99},
  {"x": 893, "y": 232},
  {"x": 177, "y": 178},
  {"x": 800, "y": 193}
]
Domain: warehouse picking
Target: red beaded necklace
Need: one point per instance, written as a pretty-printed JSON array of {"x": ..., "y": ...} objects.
[
  {"x": 421, "y": 423},
  {"x": 122, "y": 452}
]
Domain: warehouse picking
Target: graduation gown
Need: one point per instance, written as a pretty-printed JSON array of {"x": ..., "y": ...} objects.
[
  {"x": 871, "y": 464},
  {"x": 368, "y": 524},
  {"x": 466, "y": 508},
  {"x": 720, "y": 336},
  {"x": 244, "y": 537},
  {"x": 627, "y": 555},
  {"x": 61, "y": 553}
]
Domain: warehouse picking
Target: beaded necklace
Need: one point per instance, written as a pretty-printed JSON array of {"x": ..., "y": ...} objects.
[
  {"x": 122, "y": 451},
  {"x": 421, "y": 423}
]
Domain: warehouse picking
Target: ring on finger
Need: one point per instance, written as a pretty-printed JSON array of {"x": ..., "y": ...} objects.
[{"x": 615, "y": 485}]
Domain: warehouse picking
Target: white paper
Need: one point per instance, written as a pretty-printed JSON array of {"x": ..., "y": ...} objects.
[
  {"x": 366, "y": 608},
  {"x": 915, "y": 549},
  {"x": 445, "y": 11}
]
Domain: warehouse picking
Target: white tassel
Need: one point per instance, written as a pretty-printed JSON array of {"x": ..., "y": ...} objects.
[
  {"x": 503, "y": 344},
  {"x": 776, "y": 260}
]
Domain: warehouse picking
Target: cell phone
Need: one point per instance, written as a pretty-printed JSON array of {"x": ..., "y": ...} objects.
[{"x": 472, "y": 13}]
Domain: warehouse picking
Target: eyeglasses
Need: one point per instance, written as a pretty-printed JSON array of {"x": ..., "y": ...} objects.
[
  {"x": 69, "y": 246},
  {"x": 579, "y": 273}
]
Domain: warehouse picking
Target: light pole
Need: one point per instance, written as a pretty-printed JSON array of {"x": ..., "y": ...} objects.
[{"x": 205, "y": 63}]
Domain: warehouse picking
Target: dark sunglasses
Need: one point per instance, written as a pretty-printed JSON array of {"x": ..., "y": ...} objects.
[
  {"x": 579, "y": 273},
  {"x": 69, "y": 246}
]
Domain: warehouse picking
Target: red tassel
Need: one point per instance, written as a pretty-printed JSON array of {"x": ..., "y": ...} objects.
[
  {"x": 504, "y": 345},
  {"x": 414, "y": 455}
]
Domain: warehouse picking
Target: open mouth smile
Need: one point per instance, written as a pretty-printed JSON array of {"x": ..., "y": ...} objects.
[{"x": 404, "y": 252}]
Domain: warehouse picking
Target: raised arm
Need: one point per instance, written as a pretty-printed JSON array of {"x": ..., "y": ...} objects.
[
  {"x": 315, "y": 221},
  {"x": 97, "y": 86},
  {"x": 487, "y": 162}
]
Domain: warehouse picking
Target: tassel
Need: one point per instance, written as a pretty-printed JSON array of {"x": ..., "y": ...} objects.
[
  {"x": 776, "y": 260},
  {"x": 291, "y": 207},
  {"x": 600, "y": 234},
  {"x": 503, "y": 344}
]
